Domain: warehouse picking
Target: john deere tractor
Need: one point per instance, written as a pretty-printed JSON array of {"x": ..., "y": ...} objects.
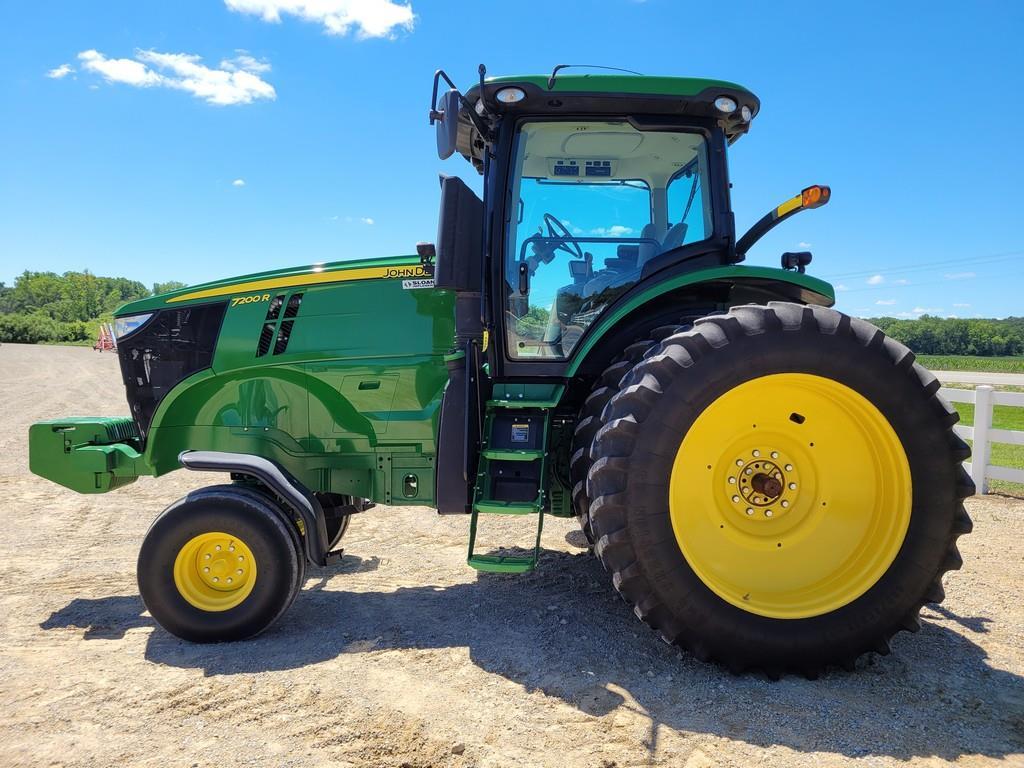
[{"x": 771, "y": 484}]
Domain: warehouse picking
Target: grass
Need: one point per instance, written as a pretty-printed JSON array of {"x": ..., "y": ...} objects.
[
  {"x": 1002, "y": 454},
  {"x": 970, "y": 363}
]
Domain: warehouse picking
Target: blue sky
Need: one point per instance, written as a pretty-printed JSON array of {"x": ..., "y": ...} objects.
[{"x": 196, "y": 140}]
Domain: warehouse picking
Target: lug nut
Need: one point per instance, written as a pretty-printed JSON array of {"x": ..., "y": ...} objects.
[
  {"x": 229, "y": 580},
  {"x": 792, "y": 486},
  {"x": 206, "y": 556},
  {"x": 239, "y": 558},
  {"x": 239, "y": 571},
  {"x": 217, "y": 547},
  {"x": 775, "y": 454},
  {"x": 206, "y": 569},
  {"x": 789, "y": 467},
  {"x": 739, "y": 462},
  {"x": 215, "y": 579},
  {"x": 756, "y": 453},
  {"x": 732, "y": 479},
  {"x": 767, "y": 513},
  {"x": 750, "y": 511},
  {"x": 785, "y": 504},
  {"x": 735, "y": 499},
  {"x": 231, "y": 548}
]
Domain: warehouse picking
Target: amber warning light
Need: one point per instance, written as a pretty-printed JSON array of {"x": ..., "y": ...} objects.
[{"x": 815, "y": 197}]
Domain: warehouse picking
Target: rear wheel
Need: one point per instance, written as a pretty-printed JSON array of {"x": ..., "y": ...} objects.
[
  {"x": 220, "y": 564},
  {"x": 780, "y": 488}
]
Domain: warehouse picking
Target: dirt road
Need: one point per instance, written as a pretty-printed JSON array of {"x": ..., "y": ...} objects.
[{"x": 403, "y": 656}]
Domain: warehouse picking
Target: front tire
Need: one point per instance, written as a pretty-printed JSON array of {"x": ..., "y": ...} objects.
[
  {"x": 779, "y": 488},
  {"x": 220, "y": 564}
]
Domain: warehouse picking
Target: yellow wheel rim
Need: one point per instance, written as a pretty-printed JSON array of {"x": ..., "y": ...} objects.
[
  {"x": 790, "y": 496},
  {"x": 215, "y": 571}
]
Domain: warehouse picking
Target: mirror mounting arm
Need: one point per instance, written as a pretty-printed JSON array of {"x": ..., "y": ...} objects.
[{"x": 474, "y": 118}]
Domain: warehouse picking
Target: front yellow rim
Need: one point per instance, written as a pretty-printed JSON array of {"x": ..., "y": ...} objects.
[
  {"x": 215, "y": 571},
  {"x": 790, "y": 495}
]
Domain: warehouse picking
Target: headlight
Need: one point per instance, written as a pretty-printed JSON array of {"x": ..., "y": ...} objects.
[
  {"x": 125, "y": 325},
  {"x": 725, "y": 104},
  {"x": 510, "y": 95},
  {"x": 746, "y": 114}
]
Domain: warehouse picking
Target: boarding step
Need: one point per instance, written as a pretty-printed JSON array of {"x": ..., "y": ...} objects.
[
  {"x": 502, "y": 563},
  {"x": 497, "y": 507},
  {"x": 539, "y": 405},
  {"x": 512, "y": 454}
]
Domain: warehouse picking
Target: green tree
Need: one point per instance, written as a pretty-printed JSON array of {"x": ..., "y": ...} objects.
[{"x": 170, "y": 285}]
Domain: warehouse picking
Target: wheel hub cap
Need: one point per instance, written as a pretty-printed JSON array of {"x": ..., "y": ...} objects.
[{"x": 215, "y": 571}]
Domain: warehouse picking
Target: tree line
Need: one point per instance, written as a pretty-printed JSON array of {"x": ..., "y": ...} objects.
[
  {"x": 67, "y": 308},
  {"x": 929, "y": 335}
]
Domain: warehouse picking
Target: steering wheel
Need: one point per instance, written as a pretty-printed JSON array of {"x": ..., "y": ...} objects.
[{"x": 566, "y": 242}]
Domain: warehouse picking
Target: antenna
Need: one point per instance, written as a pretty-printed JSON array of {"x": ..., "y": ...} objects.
[{"x": 551, "y": 80}]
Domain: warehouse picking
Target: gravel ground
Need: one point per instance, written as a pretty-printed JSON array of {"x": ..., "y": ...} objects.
[{"x": 402, "y": 656}]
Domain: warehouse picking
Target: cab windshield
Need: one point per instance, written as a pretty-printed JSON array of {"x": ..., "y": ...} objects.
[{"x": 596, "y": 201}]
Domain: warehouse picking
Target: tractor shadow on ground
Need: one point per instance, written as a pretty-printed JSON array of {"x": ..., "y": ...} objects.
[{"x": 564, "y": 632}]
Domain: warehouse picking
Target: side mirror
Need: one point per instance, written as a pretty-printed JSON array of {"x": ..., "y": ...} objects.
[{"x": 446, "y": 122}]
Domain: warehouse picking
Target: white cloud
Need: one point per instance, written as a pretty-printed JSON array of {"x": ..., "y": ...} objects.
[
  {"x": 58, "y": 72},
  {"x": 885, "y": 302},
  {"x": 615, "y": 230},
  {"x": 876, "y": 280},
  {"x": 366, "y": 220},
  {"x": 126, "y": 71},
  {"x": 368, "y": 18},
  {"x": 241, "y": 84},
  {"x": 961, "y": 305},
  {"x": 238, "y": 183},
  {"x": 803, "y": 245},
  {"x": 245, "y": 63},
  {"x": 959, "y": 275},
  {"x": 926, "y": 310},
  {"x": 901, "y": 281},
  {"x": 842, "y": 287}
]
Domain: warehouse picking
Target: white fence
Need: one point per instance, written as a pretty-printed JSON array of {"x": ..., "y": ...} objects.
[{"x": 983, "y": 434}]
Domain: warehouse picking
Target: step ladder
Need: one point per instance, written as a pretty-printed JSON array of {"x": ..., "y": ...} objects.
[{"x": 512, "y": 470}]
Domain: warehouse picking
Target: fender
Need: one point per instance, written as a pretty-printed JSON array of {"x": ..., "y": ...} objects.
[
  {"x": 283, "y": 484},
  {"x": 801, "y": 287}
]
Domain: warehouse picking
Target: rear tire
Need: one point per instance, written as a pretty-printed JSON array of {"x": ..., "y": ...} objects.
[
  {"x": 665, "y": 535},
  {"x": 220, "y": 564}
]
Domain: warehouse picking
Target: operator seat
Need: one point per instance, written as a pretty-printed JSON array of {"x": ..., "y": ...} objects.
[
  {"x": 676, "y": 236},
  {"x": 626, "y": 268}
]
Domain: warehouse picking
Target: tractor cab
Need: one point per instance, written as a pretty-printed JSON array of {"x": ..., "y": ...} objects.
[{"x": 592, "y": 184}]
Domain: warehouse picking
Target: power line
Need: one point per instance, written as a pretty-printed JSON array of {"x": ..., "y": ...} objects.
[
  {"x": 969, "y": 281},
  {"x": 927, "y": 265}
]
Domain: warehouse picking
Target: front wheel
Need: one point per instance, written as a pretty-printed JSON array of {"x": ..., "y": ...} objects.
[
  {"x": 220, "y": 564},
  {"x": 779, "y": 487}
]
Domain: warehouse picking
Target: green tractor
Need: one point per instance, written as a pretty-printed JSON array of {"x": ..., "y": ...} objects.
[{"x": 772, "y": 484}]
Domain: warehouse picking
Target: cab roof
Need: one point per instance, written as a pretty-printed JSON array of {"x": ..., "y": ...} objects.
[{"x": 609, "y": 94}]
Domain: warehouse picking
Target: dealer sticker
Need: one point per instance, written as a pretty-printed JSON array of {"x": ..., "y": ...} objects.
[
  {"x": 425, "y": 282},
  {"x": 520, "y": 433}
]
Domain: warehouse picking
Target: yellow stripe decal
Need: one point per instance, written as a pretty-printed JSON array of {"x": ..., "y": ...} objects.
[
  {"x": 313, "y": 278},
  {"x": 790, "y": 205}
]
